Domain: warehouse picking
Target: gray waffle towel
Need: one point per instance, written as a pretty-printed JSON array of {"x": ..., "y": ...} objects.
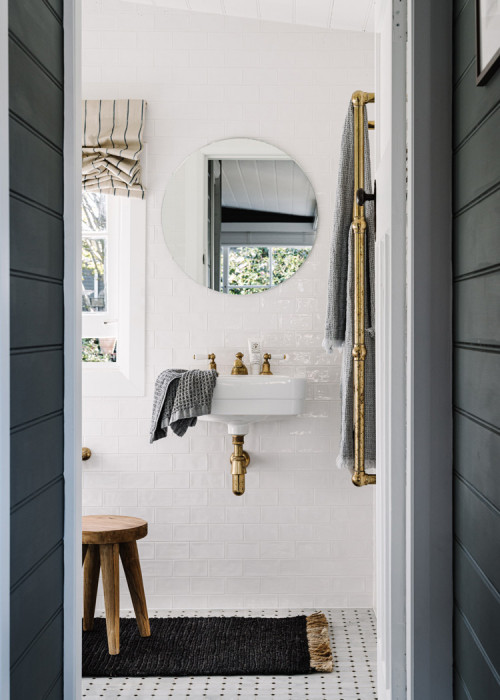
[
  {"x": 339, "y": 326},
  {"x": 180, "y": 396}
]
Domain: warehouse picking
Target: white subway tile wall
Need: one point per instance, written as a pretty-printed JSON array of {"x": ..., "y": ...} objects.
[{"x": 301, "y": 534}]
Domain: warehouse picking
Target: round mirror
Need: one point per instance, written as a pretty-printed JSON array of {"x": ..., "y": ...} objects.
[{"x": 239, "y": 216}]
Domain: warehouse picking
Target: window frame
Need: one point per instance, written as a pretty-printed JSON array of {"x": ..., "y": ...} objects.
[
  {"x": 125, "y": 317},
  {"x": 99, "y": 324}
]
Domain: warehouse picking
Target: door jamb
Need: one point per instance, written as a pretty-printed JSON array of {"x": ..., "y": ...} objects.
[
  {"x": 72, "y": 350},
  {"x": 429, "y": 377},
  {"x": 4, "y": 359}
]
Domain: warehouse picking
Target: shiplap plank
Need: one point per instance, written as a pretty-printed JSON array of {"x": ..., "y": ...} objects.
[
  {"x": 36, "y": 385},
  {"x": 477, "y": 309},
  {"x": 477, "y": 527},
  {"x": 57, "y": 691},
  {"x": 472, "y": 104},
  {"x": 35, "y": 601},
  {"x": 459, "y": 690},
  {"x": 35, "y": 168},
  {"x": 476, "y": 163},
  {"x": 36, "y": 27},
  {"x": 35, "y": 675},
  {"x": 34, "y": 97},
  {"x": 477, "y": 384},
  {"x": 464, "y": 41},
  {"x": 476, "y": 243},
  {"x": 474, "y": 670},
  {"x": 36, "y": 241},
  {"x": 458, "y": 7},
  {"x": 477, "y": 456},
  {"x": 37, "y": 527},
  {"x": 479, "y": 603},
  {"x": 36, "y": 454},
  {"x": 36, "y": 312}
]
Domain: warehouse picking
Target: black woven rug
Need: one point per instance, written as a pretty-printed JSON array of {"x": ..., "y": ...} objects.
[{"x": 211, "y": 646}]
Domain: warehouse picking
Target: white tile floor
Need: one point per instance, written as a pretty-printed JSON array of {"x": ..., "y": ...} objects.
[{"x": 353, "y": 637}]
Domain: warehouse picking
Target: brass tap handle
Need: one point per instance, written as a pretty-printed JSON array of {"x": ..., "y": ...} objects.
[
  {"x": 266, "y": 367},
  {"x": 211, "y": 357},
  {"x": 86, "y": 453},
  {"x": 239, "y": 367}
]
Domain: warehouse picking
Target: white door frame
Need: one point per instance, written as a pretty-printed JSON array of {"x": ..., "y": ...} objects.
[
  {"x": 72, "y": 352},
  {"x": 429, "y": 366},
  {"x": 391, "y": 351},
  {"x": 413, "y": 469},
  {"x": 4, "y": 358}
]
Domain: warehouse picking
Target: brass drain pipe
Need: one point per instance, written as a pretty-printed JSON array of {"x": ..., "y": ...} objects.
[{"x": 239, "y": 463}]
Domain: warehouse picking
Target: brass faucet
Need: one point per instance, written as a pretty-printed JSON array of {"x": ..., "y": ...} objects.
[
  {"x": 266, "y": 367},
  {"x": 239, "y": 367},
  {"x": 210, "y": 357}
]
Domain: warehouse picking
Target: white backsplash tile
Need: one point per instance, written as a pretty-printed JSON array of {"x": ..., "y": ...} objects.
[{"x": 288, "y": 541}]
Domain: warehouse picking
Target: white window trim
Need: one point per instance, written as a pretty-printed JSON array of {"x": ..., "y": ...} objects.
[{"x": 126, "y": 377}]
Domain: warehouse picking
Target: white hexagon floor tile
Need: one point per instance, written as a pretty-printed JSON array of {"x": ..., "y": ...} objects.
[{"x": 353, "y": 637}]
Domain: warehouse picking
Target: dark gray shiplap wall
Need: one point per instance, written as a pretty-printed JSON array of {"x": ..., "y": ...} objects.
[
  {"x": 36, "y": 241},
  {"x": 476, "y": 269}
]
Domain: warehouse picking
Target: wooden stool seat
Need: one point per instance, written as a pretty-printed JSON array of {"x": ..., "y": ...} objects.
[
  {"x": 112, "y": 529},
  {"x": 105, "y": 540}
]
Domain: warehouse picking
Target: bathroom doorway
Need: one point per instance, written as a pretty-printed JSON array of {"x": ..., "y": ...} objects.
[{"x": 391, "y": 540}]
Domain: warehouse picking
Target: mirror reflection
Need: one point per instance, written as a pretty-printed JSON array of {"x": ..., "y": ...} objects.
[{"x": 239, "y": 216}]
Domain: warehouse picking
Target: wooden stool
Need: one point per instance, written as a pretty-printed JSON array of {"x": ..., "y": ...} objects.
[{"x": 104, "y": 538}]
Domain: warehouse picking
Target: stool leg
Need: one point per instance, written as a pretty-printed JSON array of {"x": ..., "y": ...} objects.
[
  {"x": 90, "y": 582},
  {"x": 84, "y": 552},
  {"x": 111, "y": 585},
  {"x": 132, "y": 566}
]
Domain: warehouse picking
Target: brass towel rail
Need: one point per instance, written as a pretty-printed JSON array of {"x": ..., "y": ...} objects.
[{"x": 359, "y": 100}]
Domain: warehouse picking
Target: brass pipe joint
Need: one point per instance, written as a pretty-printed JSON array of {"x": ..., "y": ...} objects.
[
  {"x": 239, "y": 463},
  {"x": 361, "y": 478}
]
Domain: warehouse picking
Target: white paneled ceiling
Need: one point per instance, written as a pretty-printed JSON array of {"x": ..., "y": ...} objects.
[
  {"x": 354, "y": 15},
  {"x": 267, "y": 185}
]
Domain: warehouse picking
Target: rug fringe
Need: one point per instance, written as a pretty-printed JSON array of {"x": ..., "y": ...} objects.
[{"x": 319, "y": 643}]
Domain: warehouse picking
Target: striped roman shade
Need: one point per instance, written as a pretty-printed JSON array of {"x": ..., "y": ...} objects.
[{"x": 111, "y": 146}]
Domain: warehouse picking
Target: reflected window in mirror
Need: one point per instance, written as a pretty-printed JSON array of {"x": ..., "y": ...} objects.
[{"x": 239, "y": 216}]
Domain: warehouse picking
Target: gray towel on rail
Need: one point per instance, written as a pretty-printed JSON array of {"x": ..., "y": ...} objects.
[
  {"x": 180, "y": 396},
  {"x": 339, "y": 325}
]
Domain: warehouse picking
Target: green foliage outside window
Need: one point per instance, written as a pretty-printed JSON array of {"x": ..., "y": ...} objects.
[
  {"x": 286, "y": 262},
  {"x": 250, "y": 267},
  {"x": 91, "y": 351}
]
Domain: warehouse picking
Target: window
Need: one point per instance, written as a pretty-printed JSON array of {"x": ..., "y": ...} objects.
[
  {"x": 113, "y": 278},
  {"x": 249, "y": 269},
  {"x": 100, "y": 237}
]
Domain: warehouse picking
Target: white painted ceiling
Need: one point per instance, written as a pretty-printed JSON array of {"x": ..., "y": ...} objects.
[
  {"x": 267, "y": 185},
  {"x": 354, "y": 15}
]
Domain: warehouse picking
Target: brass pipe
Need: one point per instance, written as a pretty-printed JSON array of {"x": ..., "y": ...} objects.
[
  {"x": 239, "y": 463},
  {"x": 360, "y": 477}
]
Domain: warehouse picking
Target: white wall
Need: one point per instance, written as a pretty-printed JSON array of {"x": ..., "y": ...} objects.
[{"x": 302, "y": 534}]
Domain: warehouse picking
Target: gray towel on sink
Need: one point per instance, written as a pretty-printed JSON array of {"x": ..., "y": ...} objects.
[{"x": 180, "y": 396}]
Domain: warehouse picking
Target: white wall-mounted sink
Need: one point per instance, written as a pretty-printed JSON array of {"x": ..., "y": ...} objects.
[{"x": 240, "y": 400}]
